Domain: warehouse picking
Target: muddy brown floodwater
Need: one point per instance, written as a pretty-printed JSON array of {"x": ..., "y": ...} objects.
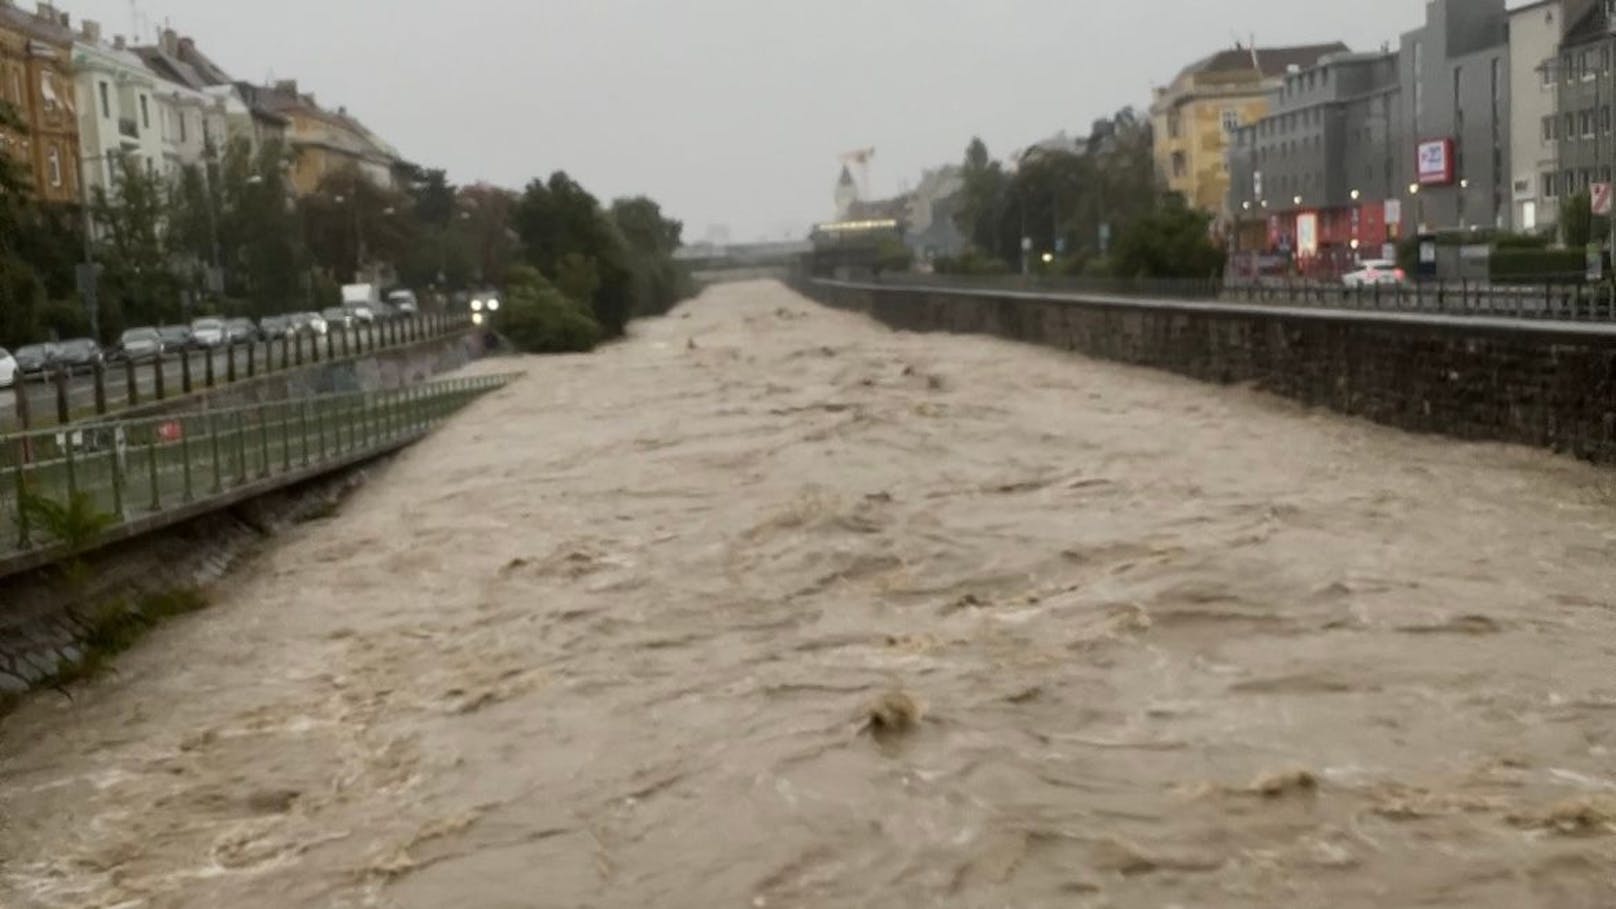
[{"x": 770, "y": 607}]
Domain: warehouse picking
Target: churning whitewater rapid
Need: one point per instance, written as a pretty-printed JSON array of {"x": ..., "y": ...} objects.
[{"x": 770, "y": 607}]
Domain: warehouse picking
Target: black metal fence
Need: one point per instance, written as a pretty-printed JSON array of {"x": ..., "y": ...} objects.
[
  {"x": 64, "y": 395},
  {"x": 1556, "y": 301}
]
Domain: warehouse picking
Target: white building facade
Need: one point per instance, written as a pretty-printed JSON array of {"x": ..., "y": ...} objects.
[{"x": 119, "y": 112}]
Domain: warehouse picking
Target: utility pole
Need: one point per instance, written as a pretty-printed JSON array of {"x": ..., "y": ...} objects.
[{"x": 87, "y": 273}]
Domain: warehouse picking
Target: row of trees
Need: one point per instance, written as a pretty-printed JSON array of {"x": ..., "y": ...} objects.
[
  {"x": 232, "y": 239},
  {"x": 1098, "y": 207}
]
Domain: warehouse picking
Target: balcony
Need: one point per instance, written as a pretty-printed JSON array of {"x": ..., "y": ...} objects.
[{"x": 127, "y": 128}]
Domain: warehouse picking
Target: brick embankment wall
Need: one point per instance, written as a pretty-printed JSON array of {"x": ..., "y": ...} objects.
[{"x": 1534, "y": 383}]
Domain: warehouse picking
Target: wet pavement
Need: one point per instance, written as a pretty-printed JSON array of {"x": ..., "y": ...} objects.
[{"x": 770, "y": 607}]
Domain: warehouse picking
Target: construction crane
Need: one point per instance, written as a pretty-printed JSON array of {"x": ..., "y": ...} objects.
[{"x": 859, "y": 160}]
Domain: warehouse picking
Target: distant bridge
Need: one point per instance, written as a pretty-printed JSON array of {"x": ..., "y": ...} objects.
[{"x": 717, "y": 264}]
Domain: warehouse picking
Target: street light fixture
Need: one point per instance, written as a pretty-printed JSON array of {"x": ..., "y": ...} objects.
[
  {"x": 1465, "y": 183},
  {"x": 1048, "y": 258},
  {"x": 1413, "y": 189},
  {"x": 1355, "y": 195},
  {"x": 1297, "y": 200}
]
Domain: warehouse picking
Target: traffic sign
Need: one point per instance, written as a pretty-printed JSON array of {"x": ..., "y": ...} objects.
[{"x": 1599, "y": 195}]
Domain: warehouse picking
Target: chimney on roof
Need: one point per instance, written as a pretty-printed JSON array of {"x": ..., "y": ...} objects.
[
  {"x": 169, "y": 42},
  {"x": 118, "y": 43},
  {"x": 90, "y": 31},
  {"x": 47, "y": 12},
  {"x": 187, "y": 48}
]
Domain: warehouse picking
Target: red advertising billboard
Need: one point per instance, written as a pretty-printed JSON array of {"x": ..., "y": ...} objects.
[{"x": 1433, "y": 164}]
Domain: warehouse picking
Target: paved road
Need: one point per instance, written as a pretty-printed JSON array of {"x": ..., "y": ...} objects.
[
  {"x": 42, "y": 395},
  {"x": 770, "y": 607}
]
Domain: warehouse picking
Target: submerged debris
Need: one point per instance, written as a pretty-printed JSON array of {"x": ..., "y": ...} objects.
[
  {"x": 1285, "y": 782},
  {"x": 893, "y": 715}
]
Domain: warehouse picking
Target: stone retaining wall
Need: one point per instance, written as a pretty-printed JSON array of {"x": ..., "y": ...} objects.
[{"x": 1544, "y": 384}]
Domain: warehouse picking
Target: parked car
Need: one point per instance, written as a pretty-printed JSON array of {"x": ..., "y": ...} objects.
[
  {"x": 140, "y": 344},
  {"x": 8, "y": 369},
  {"x": 208, "y": 333},
  {"x": 240, "y": 331},
  {"x": 276, "y": 327},
  {"x": 404, "y": 301},
  {"x": 176, "y": 338},
  {"x": 1371, "y": 272},
  {"x": 363, "y": 313},
  {"x": 337, "y": 317},
  {"x": 35, "y": 359},
  {"x": 309, "y": 323},
  {"x": 78, "y": 353}
]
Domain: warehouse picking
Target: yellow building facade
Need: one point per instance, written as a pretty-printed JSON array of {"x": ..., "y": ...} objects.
[
  {"x": 36, "y": 81},
  {"x": 1195, "y": 116}
]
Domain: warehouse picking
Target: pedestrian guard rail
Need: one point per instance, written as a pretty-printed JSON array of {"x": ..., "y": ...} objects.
[
  {"x": 73, "y": 487},
  {"x": 1560, "y": 301}
]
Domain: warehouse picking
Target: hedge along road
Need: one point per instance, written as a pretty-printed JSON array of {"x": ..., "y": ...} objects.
[{"x": 767, "y": 606}]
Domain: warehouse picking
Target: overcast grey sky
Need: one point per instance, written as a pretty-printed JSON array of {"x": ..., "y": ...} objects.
[{"x": 730, "y": 112}]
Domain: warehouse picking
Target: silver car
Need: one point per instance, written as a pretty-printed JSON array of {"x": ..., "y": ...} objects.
[
  {"x": 140, "y": 344},
  {"x": 208, "y": 332}
]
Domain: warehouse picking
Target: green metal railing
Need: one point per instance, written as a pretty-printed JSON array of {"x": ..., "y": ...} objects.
[{"x": 118, "y": 473}]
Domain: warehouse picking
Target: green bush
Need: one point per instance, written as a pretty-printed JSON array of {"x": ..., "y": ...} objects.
[
  {"x": 538, "y": 318},
  {"x": 1520, "y": 241},
  {"x": 970, "y": 262},
  {"x": 1537, "y": 266},
  {"x": 65, "y": 318}
]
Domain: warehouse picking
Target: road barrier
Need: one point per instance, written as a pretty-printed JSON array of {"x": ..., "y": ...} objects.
[
  {"x": 103, "y": 389},
  {"x": 1560, "y": 302},
  {"x": 76, "y": 487}
]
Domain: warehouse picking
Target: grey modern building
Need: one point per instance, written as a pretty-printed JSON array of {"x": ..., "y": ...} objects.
[
  {"x": 1584, "y": 91},
  {"x": 1455, "y": 80},
  {"x": 1314, "y": 175},
  {"x": 1534, "y": 46}
]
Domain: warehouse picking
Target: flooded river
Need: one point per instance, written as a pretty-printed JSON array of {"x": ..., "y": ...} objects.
[{"x": 770, "y": 607}]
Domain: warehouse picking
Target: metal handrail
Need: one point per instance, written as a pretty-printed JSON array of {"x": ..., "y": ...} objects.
[
  {"x": 1572, "y": 301},
  {"x": 155, "y": 380},
  {"x": 118, "y": 473}
]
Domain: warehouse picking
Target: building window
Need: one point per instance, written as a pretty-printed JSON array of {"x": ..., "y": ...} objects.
[
  {"x": 1547, "y": 72},
  {"x": 1586, "y": 119},
  {"x": 1174, "y": 129},
  {"x": 145, "y": 116},
  {"x": 1549, "y": 131},
  {"x": 106, "y": 101},
  {"x": 1568, "y": 126},
  {"x": 1604, "y": 119},
  {"x": 1548, "y": 186},
  {"x": 16, "y": 88},
  {"x": 53, "y": 161},
  {"x": 1568, "y": 66},
  {"x": 1179, "y": 166},
  {"x": 1231, "y": 120},
  {"x": 180, "y": 115},
  {"x": 1588, "y": 65}
]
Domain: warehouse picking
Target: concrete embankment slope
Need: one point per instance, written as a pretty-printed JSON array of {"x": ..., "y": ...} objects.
[{"x": 771, "y": 606}]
